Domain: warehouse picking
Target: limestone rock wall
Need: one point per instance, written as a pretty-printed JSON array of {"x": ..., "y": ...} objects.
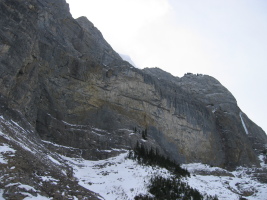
[{"x": 61, "y": 74}]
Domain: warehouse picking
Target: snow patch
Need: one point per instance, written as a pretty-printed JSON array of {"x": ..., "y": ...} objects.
[
  {"x": 57, "y": 145},
  {"x": 54, "y": 160},
  {"x": 195, "y": 167},
  {"x": 19, "y": 135},
  {"x": 5, "y": 149},
  {"x": 1, "y": 192},
  {"x": 17, "y": 125},
  {"x": 262, "y": 160},
  {"x": 22, "y": 186},
  {"x": 27, "y": 188},
  {"x": 39, "y": 197},
  {"x": 243, "y": 123},
  {"x": 49, "y": 179}
]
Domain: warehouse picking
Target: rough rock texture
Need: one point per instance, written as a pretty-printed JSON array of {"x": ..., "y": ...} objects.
[
  {"x": 61, "y": 82},
  {"x": 68, "y": 83},
  {"x": 30, "y": 169}
]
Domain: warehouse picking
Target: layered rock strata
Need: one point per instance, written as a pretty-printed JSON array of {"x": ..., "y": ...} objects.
[{"x": 65, "y": 80}]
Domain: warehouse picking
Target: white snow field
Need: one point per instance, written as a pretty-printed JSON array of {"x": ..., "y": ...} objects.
[
  {"x": 115, "y": 178},
  {"x": 229, "y": 187},
  {"x": 119, "y": 178}
]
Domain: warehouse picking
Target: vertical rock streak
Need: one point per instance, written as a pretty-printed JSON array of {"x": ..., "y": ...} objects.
[{"x": 243, "y": 123}]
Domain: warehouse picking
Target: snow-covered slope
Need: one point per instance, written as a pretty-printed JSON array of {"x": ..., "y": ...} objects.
[
  {"x": 226, "y": 185},
  {"x": 110, "y": 179},
  {"x": 28, "y": 170},
  {"x": 121, "y": 178},
  {"x": 115, "y": 178}
]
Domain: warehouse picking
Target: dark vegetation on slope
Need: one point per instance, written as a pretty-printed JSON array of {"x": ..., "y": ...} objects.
[
  {"x": 172, "y": 189},
  {"x": 152, "y": 157},
  {"x": 165, "y": 188}
]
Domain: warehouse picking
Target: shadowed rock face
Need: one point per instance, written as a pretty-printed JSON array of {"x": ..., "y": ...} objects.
[{"x": 58, "y": 73}]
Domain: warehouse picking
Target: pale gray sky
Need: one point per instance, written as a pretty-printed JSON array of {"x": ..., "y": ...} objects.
[{"x": 226, "y": 39}]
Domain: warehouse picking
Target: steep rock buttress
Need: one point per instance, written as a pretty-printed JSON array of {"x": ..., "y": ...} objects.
[{"x": 58, "y": 72}]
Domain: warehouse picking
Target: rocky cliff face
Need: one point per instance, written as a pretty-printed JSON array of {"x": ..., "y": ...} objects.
[{"x": 60, "y": 76}]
